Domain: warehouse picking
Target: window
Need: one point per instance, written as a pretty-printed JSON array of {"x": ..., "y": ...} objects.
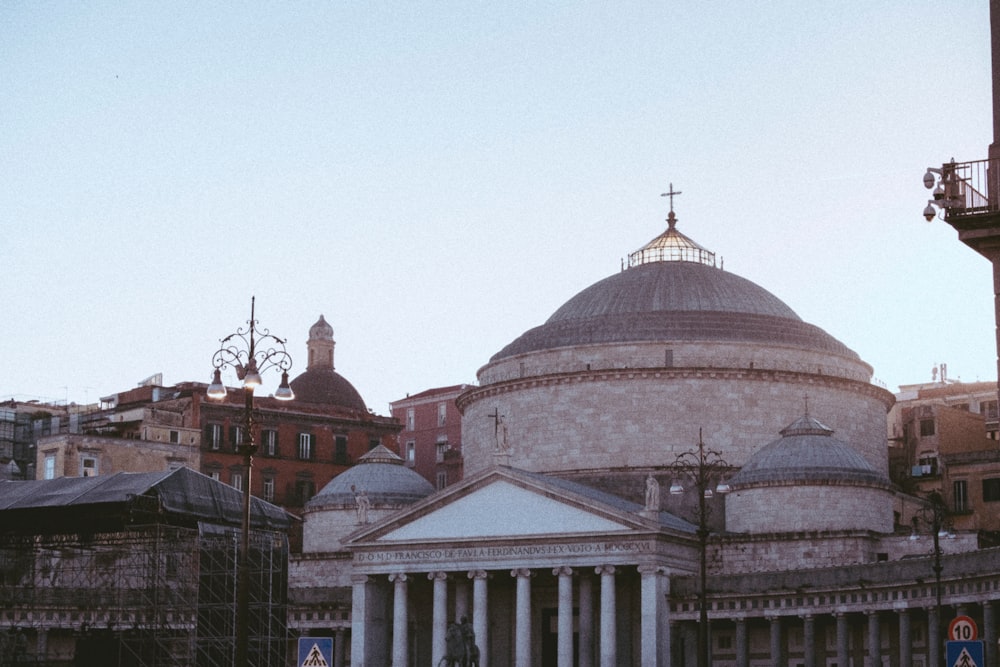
[
  {"x": 50, "y": 466},
  {"x": 236, "y": 437},
  {"x": 373, "y": 443},
  {"x": 213, "y": 435},
  {"x": 215, "y": 475},
  {"x": 991, "y": 490},
  {"x": 88, "y": 467},
  {"x": 926, "y": 427},
  {"x": 411, "y": 453},
  {"x": 304, "y": 490},
  {"x": 442, "y": 480},
  {"x": 960, "y": 495},
  {"x": 269, "y": 489},
  {"x": 269, "y": 442},
  {"x": 306, "y": 443},
  {"x": 340, "y": 450},
  {"x": 236, "y": 480},
  {"x": 175, "y": 437},
  {"x": 410, "y": 419},
  {"x": 442, "y": 447},
  {"x": 442, "y": 414},
  {"x": 988, "y": 409}
]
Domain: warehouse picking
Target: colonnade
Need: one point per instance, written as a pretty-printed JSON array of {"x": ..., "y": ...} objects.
[
  {"x": 594, "y": 638},
  {"x": 901, "y": 635}
]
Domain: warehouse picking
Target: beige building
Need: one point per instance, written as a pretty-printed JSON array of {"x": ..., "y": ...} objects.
[{"x": 673, "y": 448}]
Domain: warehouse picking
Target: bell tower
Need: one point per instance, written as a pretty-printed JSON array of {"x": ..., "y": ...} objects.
[{"x": 320, "y": 345}]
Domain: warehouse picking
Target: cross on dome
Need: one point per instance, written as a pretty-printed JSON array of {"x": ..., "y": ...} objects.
[{"x": 671, "y": 218}]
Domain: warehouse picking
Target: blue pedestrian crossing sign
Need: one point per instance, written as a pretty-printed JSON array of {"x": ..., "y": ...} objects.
[
  {"x": 964, "y": 654},
  {"x": 315, "y": 652}
]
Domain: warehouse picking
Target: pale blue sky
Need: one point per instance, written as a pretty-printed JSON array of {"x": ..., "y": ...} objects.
[{"x": 436, "y": 178}]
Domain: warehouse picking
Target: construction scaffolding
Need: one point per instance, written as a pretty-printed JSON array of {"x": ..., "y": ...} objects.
[{"x": 158, "y": 593}]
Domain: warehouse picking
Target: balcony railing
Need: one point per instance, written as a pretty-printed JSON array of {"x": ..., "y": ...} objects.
[{"x": 969, "y": 188}]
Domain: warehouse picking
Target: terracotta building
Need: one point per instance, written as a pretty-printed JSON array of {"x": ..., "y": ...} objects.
[{"x": 431, "y": 439}]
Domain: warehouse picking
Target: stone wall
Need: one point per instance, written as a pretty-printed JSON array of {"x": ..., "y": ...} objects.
[{"x": 809, "y": 507}]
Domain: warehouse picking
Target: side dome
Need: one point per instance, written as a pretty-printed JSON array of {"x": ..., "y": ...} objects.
[
  {"x": 793, "y": 484},
  {"x": 807, "y": 452},
  {"x": 328, "y": 387},
  {"x": 381, "y": 475}
]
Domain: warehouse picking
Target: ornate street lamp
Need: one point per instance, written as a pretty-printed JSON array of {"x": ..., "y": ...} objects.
[
  {"x": 700, "y": 467},
  {"x": 250, "y": 351}
]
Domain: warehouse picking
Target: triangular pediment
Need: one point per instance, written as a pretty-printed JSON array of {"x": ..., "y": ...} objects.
[{"x": 503, "y": 509}]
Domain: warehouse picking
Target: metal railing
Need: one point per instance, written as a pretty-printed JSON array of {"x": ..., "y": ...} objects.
[{"x": 969, "y": 188}]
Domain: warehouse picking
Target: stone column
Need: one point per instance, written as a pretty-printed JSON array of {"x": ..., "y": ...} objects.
[
  {"x": 522, "y": 618},
  {"x": 809, "y": 640},
  {"x": 934, "y": 658},
  {"x": 339, "y": 649},
  {"x": 400, "y": 620},
  {"x": 742, "y": 643},
  {"x": 990, "y": 633},
  {"x": 842, "y": 639},
  {"x": 564, "y": 652},
  {"x": 874, "y": 639},
  {"x": 359, "y": 608},
  {"x": 439, "y": 621},
  {"x": 777, "y": 642},
  {"x": 905, "y": 637},
  {"x": 655, "y": 617},
  {"x": 586, "y": 621},
  {"x": 480, "y": 625},
  {"x": 609, "y": 630}
]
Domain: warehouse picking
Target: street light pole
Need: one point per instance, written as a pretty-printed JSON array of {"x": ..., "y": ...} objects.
[
  {"x": 701, "y": 466},
  {"x": 250, "y": 351},
  {"x": 935, "y": 515}
]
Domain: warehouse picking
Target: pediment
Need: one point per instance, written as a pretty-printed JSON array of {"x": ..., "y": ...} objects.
[{"x": 503, "y": 508}]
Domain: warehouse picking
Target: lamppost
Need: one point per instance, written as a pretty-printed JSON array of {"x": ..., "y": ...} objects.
[
  {"x": 250, "y": 351},
  {"x": 935, "y": 516},
  {"x": 701, "y": 466}
]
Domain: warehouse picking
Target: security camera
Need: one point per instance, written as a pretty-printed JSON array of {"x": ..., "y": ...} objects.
[
  {"x": 930, "y": 212},
  {"x": 929, "y": 180}
]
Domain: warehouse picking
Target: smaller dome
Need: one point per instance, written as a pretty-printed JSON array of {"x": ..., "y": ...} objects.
[
  {"x": 807, "y": 452},
  {"x": 328, "y": 387},
  {"x": 382, "y": 475},
  {"x": 321, "y": 330}
]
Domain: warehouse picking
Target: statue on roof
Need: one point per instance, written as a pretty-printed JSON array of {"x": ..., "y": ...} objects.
[
  {"x": 652, "y": 494},
  {"x": 363, "y": 504}
]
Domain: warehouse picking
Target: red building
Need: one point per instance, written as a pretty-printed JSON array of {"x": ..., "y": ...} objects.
[
  {"x": 303, "y": 443},
  {"x": 431, "y": 439}
]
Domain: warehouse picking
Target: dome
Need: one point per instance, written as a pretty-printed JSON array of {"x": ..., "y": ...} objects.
[
  {"x": 381, "y": 475},
  {"x": 670, "y": 300},
  {"x": 327, "y": 387},
  {"x": 807, "y": 452}
]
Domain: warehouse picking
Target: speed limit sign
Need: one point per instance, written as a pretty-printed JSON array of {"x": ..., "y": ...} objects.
[{"x": 962, "y": 629}]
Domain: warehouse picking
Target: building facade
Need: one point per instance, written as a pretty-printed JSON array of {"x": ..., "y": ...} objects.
[
  {"x": 582, "y": 535},
  {"x": 431, "y": 439}
]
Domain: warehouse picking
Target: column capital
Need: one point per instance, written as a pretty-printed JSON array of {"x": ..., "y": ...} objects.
[
  {"x": 477, "y": 574},
  {"x": 652, "y": 569},
  {"x": 604, "y": 569},
  {"x": 437, "y": 576},
  {"x": 398, "y": 577},
  {"x": 562, "y": 571},
  {"x": 520, "y": 572},
  {"x": 360, "y": 578}
]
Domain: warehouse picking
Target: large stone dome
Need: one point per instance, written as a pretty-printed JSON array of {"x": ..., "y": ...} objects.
[
  {"x": 680, "y": 301},
  {"x": 622, "y": 377}
]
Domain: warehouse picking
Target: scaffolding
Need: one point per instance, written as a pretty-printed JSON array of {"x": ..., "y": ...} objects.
[{"x": 145, "y": 594}]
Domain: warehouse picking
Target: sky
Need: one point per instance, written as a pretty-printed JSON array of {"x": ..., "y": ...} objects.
[{"x": 435, "y": 178}]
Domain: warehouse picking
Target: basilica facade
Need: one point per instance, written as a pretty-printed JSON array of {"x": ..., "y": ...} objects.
[{"x": 673, "y": 463}]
